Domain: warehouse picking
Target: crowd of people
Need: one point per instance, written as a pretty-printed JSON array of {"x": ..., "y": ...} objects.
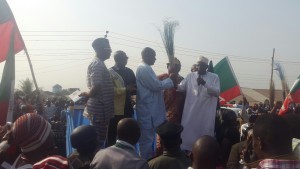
[{"x": 178, "y": 123}]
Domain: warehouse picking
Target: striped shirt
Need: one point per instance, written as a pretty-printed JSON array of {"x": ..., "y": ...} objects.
[{"x": 101, "y": 106}]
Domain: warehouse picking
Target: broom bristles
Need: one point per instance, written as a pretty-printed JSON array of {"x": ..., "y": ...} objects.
[
  {"x": 281, "y": 74},
  {"x": 168, "y": 38}
]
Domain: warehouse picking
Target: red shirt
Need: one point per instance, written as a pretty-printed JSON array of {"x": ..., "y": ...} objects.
[{"x": 279, "y": 164}]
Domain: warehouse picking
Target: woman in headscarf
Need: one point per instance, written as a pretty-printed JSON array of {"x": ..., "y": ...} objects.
[{"x": 32, "y": 133}]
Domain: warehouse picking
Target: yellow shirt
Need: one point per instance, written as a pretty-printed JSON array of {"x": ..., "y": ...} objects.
[{"x": 119, "y": 91}]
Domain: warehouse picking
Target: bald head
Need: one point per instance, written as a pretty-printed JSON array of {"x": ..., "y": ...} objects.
[
  {"x": 83, "y": 138},
  {"x": 120, "y": 59},
  {"x": 148, "y": 55},
  {"x": 128, "y": 130},
  {"x": 206, "y": 153}
]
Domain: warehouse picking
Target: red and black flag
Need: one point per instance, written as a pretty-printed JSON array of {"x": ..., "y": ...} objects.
[{"x": 10, "y": 43}]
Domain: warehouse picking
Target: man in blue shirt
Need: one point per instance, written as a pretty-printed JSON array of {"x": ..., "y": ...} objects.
[{"x": 150, "y": 107}]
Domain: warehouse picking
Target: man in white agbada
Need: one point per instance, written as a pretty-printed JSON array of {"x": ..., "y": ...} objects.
[{"x": 202, "y": 91}]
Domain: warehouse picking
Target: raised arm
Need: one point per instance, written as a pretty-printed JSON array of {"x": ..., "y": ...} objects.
[
  {"x": 147, "y": 77},
  {"x": 214, "y": 88}
]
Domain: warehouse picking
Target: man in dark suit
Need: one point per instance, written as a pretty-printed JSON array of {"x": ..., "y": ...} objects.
[{"x": 172, "y": 156}]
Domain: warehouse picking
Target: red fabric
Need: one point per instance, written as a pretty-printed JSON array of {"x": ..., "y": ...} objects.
[
  {"x": 174, "y": 102},
  {"x": 291, "y": 98},
  {"x": 30, "y": 131},
  {"x": 3, "y": 106},
  {"x": 296, "y": 96},
  {"x": 229, "y": 94},
  {"x": 6, "y": 29},
  {"x": 228, "y": 105},
  {"x": 52, "y": 162},
  {"x": 285, "y": 106},
  {"x": 3, "y": 131},
  {"x": 163, "y": 76},
  {"x": 278, "y": 163}
]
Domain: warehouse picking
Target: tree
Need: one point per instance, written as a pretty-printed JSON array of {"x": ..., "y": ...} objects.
[
  {"x": 64, "y": 92},
  {"x": 26, "y": 86}
]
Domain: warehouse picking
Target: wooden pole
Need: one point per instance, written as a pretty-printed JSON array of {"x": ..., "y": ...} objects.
[
  {"x": 31, "y": 69},
  {"x": 27, "y": 55},
  {"x": 39, "y": 98},
  {"x": 283, "y": 89},
  {"x": 272, "y": 87},
  {"x": 30, "y": 65},
  {"x": 39, "y": 101}
]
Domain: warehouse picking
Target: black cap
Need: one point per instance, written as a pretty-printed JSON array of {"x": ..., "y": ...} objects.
[{"x": 169, "y": 130}]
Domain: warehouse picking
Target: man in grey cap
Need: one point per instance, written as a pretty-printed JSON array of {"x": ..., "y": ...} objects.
[
  {"x": 172, "y": 156},
  {"x": 202, "y": 90},
  {"x": 100, "y": 104}
]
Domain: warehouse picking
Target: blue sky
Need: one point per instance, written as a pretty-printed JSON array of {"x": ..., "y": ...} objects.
[{"x": 58, "y": 35}]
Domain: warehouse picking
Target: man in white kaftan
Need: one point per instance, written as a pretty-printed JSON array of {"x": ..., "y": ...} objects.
[{"x": 202, "y": 90}]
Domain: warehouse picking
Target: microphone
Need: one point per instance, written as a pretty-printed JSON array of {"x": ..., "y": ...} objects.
[{"x": 198, "y": 79}]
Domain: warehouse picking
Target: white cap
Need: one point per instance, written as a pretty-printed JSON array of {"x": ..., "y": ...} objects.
[{"x": 203, "y": 59}]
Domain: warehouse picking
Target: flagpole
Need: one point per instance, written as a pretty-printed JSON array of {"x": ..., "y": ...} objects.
[
  {"x": 26, "y": 52},
  {"x": 16, "y": 32},
  {"x": 40, "y": 107},
  {"x": 272, "y": 87},
  {"x": 39, "y": 102},
  {"x": 25, "y": 49},
  {"x": 31, "y": 68}
]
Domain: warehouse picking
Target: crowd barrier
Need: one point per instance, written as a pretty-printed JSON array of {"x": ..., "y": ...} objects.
[{"x": 75, "y": 118}]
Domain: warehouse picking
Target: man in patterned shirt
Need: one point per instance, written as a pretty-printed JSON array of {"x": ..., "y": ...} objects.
[
  {"x": 272, "y": 143},
  {"x": 100, "y": 105}
]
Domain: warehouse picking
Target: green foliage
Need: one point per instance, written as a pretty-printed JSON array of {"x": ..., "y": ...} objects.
[{"x": 26, "y": 86}]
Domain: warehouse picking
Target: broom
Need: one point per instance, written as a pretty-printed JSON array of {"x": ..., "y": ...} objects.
[{"x": 167, "y": 36}]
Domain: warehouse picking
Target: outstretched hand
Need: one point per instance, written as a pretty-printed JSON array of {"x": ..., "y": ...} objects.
[
  {"x": 84, "y": 94},
  {"x": 173, "y": 76}
]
